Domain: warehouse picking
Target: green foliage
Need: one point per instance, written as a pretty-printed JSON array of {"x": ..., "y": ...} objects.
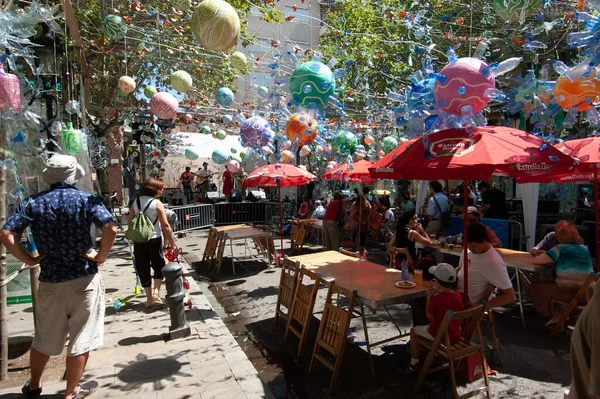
[{"x": 159, "y": 42}]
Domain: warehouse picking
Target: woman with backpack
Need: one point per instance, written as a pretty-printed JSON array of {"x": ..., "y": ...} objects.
[{"x": 147, "y": 223}]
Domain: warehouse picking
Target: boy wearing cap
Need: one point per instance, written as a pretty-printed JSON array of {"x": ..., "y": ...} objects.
[{"x": 438, "y": 303}]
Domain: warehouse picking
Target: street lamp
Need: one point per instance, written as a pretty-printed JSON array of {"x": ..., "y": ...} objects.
[{"x": 49, "y": 53}]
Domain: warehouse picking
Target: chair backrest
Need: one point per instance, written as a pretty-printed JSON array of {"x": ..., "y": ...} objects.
[
  {"x": 287, "y": 284},
  {"x": 471, "y": 316},
  {"x": 305, "y": 295},
  {"x": 349, "y": 253},
  {"x": 395, "y": 251},
  {"x": 335, "y": 322},
  {"x": 375, "y": 220}
]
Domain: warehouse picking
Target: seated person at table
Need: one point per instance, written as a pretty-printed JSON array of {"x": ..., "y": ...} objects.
[
  {"x": 473, "y": 217},
  {"x": 438, "y": 303},
  {"x": 305, "y": 210},
  {"x": 572, "y": 264},
  {"x": 487, "y": 271},
  {"x": 409, "y": 232},
  {"x": 319, "y": 211},
  {"x": 550, "y": 240}
]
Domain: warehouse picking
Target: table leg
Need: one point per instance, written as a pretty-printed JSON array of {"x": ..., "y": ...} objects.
[
  {"x": 521, "y": 300},
  {"x": 364, "y": 320},
  {"x": 232, "y": 261},
  {"x": 393, "y": 320}
]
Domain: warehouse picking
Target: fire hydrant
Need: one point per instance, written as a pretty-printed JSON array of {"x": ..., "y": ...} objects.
[{"x": 175, "y": 296}]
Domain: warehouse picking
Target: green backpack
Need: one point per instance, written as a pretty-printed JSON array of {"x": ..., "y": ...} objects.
[{"x": 141, "y": 228}]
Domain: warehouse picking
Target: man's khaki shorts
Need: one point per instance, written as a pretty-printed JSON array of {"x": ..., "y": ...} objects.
[{"x": 74, "y": 308}]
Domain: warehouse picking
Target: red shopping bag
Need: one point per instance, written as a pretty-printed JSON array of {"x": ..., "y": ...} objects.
[{"x": 470, "y": 368}]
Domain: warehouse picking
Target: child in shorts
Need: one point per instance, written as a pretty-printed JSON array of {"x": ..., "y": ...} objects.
[{"x": 439, "y": 301}]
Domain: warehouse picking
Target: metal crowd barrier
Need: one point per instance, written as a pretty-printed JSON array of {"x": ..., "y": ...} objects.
[
  {"x": 242, "y": 212},
  {"x": 516, "y": 235},
  {"x": 192, "y": 217}
]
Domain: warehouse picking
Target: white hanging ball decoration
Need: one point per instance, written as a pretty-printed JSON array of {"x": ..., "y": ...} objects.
[{"x": 127, "y": 84}]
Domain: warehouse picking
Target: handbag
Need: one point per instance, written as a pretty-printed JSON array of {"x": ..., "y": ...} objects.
[{"x": 446, "y": 216}]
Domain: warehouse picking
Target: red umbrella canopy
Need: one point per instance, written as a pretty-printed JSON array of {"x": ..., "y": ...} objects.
[
  {"x": 278, "y": 175},
  {"x": 358, "y": 172},
  {"x": 587, "y": 153},
  {"x": 457, "y": 154}
]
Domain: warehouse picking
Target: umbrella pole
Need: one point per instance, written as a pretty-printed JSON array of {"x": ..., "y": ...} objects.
[
  {"x": 466, "y": 237},
  {"x": 596, "y": 216},
  {"x": 280, "y": 219},
  {"x": 360, "y": 205}
]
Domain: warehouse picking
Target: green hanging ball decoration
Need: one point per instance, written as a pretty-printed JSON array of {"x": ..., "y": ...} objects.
[
  {"x": 149, "y": 91},
  {"x": 192, "y": 154},
  {"x": 388, "y": 144},
  {"x": 242, "y": 155},
  {"x": 233, "y": 150},
  {"x": 205, "y": 130},
  {"x": 238, "y": 60},
  {"x": 72, "y": 139},
  {"x": 221, "y": 134},
  {"x": 114, "y": 27}
]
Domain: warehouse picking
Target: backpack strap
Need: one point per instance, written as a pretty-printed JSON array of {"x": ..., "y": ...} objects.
[{"x": 144, "y": 211}]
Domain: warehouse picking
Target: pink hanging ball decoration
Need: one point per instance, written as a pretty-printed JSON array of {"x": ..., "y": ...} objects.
[
  {"x": 466, "y": 83},
  {"x": 164, "y": 105},
  {"x": 233, "y": 166},
  {"x": 10, "y": 91}
]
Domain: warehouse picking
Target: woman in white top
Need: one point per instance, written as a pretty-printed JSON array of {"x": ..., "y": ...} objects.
[{"x": 149, "y": 255}]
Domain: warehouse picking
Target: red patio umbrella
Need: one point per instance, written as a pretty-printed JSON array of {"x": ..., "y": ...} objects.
[
  {"x": 458, "y": 154},
  {"x": 357, "y": 172},
  {"x": 587, "y": 153},
  {"x": 278, "y": 175}
]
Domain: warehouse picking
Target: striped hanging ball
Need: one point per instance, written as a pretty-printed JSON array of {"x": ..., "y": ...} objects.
[
  {"x": 181, "y": 81},
  {"x": 164, "y": 105},
  {"x": 216, "y": 25},
  {"x": 114, "y": 27}
]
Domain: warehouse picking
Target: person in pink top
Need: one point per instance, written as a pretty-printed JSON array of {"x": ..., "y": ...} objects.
[{"x": 438, "y": 303}]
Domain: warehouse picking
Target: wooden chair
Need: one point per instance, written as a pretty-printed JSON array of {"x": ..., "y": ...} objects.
[
  {"x": 300, "y": 229},
  {"x": 287, "y": 287},
  {"x": 394, "y": 251},
  {"x": 569, "y": 307},
  {"x": 333, "y": 330},
  {"x": 300, "y": 315},
  {"x": 217, "y": 262},
  {"x": 349, "y": 253},
  {"x": 376, "y": 216},
  {"x": 455, "y": 352},
  {"x": 211, "y": 246}
]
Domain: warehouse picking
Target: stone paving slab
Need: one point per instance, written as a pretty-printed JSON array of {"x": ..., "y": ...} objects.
[{"x": 136, "y": 362}]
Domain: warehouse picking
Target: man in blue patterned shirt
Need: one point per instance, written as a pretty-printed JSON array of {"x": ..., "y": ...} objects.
[{"x": 71, "y": 291}]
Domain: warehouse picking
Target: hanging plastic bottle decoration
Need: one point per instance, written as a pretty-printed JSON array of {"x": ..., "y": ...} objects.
[
  {"x": 72, "y": 139},
  {"x": 10, "y": 91}
]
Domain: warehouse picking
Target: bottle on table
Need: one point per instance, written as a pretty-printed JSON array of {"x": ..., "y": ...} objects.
[{"x": 405, "y": 276}]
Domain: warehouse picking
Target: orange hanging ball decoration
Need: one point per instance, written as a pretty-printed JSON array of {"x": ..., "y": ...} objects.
[
  {"x": 301, "y": 129},
  {"x": 577, "y": 94}
]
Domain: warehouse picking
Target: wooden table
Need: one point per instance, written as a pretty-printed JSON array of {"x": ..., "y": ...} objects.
[
  {"x": 374, "y": 285},
  {"x": 518, "y": 260},
  {"x": 243, "y": 232}
]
